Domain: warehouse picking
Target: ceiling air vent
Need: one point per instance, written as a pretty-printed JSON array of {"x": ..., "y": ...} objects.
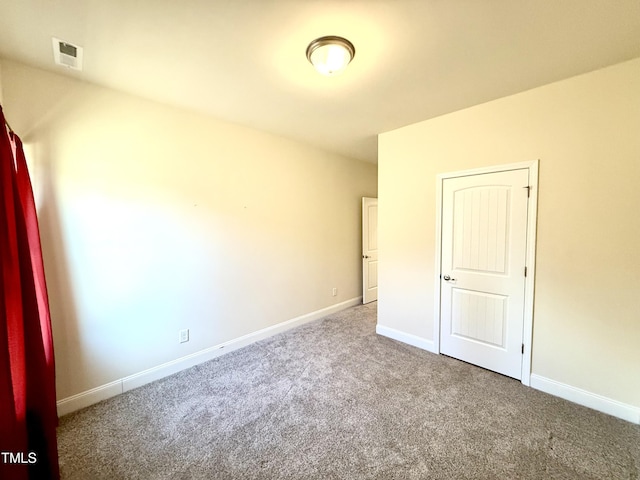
[{"x": 67, "y": 54}]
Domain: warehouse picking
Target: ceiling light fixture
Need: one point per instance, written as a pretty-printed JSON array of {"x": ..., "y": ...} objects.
[{"x": 330, "y": 55}]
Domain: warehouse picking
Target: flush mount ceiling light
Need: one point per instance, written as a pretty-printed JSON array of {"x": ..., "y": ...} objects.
[{"x": 330, "y": 55}]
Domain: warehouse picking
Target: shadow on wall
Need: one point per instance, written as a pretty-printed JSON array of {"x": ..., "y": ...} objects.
[{"x": 62, "y": 301}]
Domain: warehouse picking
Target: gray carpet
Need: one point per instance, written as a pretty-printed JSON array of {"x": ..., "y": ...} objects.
[{"x": 332, "y": 400}]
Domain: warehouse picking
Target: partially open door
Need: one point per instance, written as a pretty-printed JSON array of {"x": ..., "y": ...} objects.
[{"x": 369, "y": 249}]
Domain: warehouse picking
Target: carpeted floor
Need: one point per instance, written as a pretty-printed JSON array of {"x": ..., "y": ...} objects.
[{"x": 332, "y": 400}]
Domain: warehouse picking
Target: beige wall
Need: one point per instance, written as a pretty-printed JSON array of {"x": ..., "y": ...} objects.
[
  {"x": 155, "y": 219},
  {"x": 586, "y": 133}
]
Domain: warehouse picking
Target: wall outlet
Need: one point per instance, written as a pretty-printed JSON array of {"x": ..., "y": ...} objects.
[
  {"x": 334, "y": 291},
  {"x": 184, "y": 335}
]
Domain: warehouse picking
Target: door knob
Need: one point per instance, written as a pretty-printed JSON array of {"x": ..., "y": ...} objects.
[
  {"x": 366, "y": 256},
  {"x": 447, "y": 278}
]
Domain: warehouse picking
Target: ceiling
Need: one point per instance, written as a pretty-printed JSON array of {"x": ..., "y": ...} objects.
[{"x": 244, "y": 60}]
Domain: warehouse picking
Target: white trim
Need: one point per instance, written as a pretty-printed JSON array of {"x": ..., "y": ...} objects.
[
  {"x": 482, "y": 170},
  {"x": 408, "y": 338},
  {"x": 588, "y": 399},
  {"x": 89, "y": 397},
  {"x": 529, "y": 281},
  {"x": 532, "y": 209},
  {"x": 111, "y": 389}
]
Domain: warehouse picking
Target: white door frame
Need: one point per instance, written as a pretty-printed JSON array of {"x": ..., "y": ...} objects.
[{"x": 532, "y": 210}]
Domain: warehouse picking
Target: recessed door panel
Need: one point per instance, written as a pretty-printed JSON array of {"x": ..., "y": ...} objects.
[
  {"x": 481, "y": 236},
  {"x": 479, "y": 317}
]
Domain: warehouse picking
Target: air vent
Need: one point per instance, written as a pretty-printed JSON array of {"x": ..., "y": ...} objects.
[{"x": 67, "y": 54}]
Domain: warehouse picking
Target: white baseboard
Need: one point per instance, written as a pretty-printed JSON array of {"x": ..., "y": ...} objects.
[
  {"x": 408, "y": 338},
  {"x": 84, "y": 399},
  {"x": 586, "y": 399},
  {"x": 111, "y": 389}
]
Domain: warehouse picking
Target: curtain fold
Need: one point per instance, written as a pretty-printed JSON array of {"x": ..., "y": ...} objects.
[{"x": 28, "y": 417}]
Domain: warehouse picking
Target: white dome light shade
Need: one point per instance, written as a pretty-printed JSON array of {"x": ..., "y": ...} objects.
[{"x": 330, "y": 55}]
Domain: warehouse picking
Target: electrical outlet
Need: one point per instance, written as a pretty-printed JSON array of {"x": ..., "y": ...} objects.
[
  {"x": 335, "y": 291},
  {"x": 184, "y": 335}
]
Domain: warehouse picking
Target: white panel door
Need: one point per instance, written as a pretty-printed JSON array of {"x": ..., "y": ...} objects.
[
  {"x": 484, "y": 231},
  {"x": 369, "y": 249}
]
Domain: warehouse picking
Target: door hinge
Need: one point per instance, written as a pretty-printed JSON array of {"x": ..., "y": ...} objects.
[
  {"x": 523, "y": 348},
  {"x": 525, "y": 271},
  {"x": 528, "y": 187}
]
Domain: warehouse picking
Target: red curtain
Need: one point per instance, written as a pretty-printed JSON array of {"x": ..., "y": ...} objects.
[{"x": 28, "y": 417}]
